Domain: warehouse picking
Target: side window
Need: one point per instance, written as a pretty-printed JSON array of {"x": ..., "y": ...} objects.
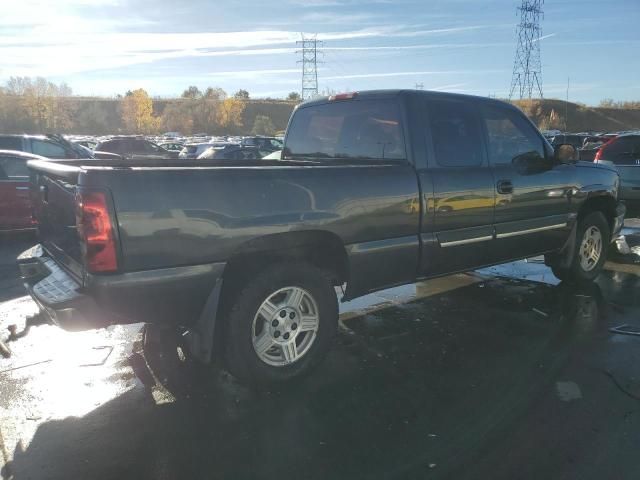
[
  {"x": 455, "y": 134},
  {"x": 132, "y": 145},
  {"x": 11, "y": 143},
  {"x": 108, "y": 146},
  {"x": 47, "y": 149},
  {"x": 13, "y": 168},
  {"x": 361, "y": 129},
  {"x": 249, "y": 154},
  {"x": 510, "y": 137},
  {"x": 150, "y": 147}
]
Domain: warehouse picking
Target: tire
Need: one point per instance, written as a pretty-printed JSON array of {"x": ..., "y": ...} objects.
[
  {"x": 263, "y": 317},
  {"x": 589, "y": 256}
]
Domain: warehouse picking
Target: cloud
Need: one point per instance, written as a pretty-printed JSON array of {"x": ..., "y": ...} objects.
[
  {"x": 253, "y": 74},
  {"x": 544, "y": 36},
  {"x": 468, "y": 28},
  {"x": 410, "y": 73},
  {"x": 96, "y": 48}
]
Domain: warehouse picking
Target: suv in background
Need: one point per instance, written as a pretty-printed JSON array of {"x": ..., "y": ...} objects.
[
  {"x": 134, "y": 148},
  {"x": 193, "y": 150},
  {"x": 50, "y": 146},
  {"x": 264, "y": 144},
  {"x": 231, "y": 152},
  {"x": 624, "y": 152}
]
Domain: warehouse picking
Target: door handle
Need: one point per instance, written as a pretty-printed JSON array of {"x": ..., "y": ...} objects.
[
  {"x": 504, "y": 187},
  {"x": 22, "y": 188}
]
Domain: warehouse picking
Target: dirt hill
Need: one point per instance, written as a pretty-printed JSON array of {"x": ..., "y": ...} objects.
[{"x": 572, "y": 117}]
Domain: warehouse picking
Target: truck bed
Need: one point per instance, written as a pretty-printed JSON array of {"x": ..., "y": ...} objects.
[{"x": 184, "y": 213}]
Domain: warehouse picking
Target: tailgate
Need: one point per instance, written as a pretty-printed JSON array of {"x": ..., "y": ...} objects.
[{"x": 53, "y": 187}]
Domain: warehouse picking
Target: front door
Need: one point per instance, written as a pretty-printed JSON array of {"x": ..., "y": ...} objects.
[
  {"x": 458, "y": 190},
  {"x": 532, "y": 189}
]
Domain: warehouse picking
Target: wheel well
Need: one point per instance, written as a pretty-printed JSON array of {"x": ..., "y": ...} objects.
[
  {"x": 604, "y": 204},
  {"x": 324, "y": 250}
]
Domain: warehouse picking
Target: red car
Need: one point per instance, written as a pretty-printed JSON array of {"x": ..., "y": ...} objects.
[{"x": 15, "y": 205}]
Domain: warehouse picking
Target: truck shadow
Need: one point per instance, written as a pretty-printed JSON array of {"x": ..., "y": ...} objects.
[{"x": 410, "y": 390}]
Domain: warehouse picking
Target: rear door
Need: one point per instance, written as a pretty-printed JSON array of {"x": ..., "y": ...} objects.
[
  {"x": 532, "y": 190},
  {"x": 458, "y": 191},
  {"x": 363, "y": 139},
  {"x": 15, "y": 206}
]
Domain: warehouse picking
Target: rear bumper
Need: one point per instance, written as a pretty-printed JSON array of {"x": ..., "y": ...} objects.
[
  {"x": 57, "y": 293},
  {"x": 171, "y": 296}
]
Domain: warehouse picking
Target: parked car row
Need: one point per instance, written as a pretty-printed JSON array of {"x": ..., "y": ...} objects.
[
  {"x": 172, "y": 145},
  {"x": 16, "y": 150}
]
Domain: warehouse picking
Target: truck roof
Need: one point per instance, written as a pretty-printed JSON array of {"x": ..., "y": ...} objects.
[{"x": 389, "y": 93}]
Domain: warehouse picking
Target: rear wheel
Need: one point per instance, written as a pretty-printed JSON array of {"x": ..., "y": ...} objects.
[
  {"x": 280, "y": 325},
  {"x": 589, "y": 256}
]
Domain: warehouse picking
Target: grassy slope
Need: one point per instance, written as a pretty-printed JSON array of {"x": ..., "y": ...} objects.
[{"x": 581, "y": 118}]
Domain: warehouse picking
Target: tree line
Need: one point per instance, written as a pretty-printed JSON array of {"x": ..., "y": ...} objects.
[{"x": 36, "y": 105}]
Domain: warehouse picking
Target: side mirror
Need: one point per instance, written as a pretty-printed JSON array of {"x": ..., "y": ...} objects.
[{"x": 565, "y": 153}]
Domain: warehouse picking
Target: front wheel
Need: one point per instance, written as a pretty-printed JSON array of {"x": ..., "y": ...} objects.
[
  {"x": 280, "y": 325},
  {"x": 590, "y": 251}
]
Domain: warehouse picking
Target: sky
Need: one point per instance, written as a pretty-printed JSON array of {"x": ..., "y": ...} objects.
[{"x": 106, "y": 47}]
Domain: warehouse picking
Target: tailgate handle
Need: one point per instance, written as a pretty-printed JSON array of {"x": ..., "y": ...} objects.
[{"x": 44, "y": 192}]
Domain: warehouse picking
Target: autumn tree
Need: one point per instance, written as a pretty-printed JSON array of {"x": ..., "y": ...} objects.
[
  {"x": 137, "y": 113},
  {"x": 41, "y": 104},
  {"x": 192, "y": 92},
  {"x": 177, "y": 116},
  {"x": 262, "y": 125},
  {"x": 229, "y": 114},
  {"x": 241, "y": 95},
  {"x": 215, "y": 93}
]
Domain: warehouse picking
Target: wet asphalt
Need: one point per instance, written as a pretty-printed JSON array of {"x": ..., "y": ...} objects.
[{"x": 502, "y": 373}]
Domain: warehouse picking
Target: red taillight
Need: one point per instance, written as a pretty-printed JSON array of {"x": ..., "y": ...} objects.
[
  {"x": 598, "y": 154},
  {"x": 600, "y": 151},
  {"x": 343, "y": 96},
  {"x": 96, "y": 231}
]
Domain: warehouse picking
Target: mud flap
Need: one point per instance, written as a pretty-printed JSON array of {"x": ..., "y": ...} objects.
[
  {"x": 199, "y": 339},
  {"x": 563, "y": 257}
]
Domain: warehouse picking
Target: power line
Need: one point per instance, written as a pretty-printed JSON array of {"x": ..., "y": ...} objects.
[
  {"x": 527, "y": 67},
  {"x": 420, "y": 86},
  {"x": 309, "y": 62}
]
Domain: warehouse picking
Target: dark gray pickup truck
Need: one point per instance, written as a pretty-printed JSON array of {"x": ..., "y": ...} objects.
[{"x": 374, "y": 189}]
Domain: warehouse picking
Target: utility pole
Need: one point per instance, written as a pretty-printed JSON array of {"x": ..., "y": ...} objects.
[
  {"x": 527, "y": 67},
  {"x": 309, "y": 63},
  {"x": 566, "y": 109}
]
